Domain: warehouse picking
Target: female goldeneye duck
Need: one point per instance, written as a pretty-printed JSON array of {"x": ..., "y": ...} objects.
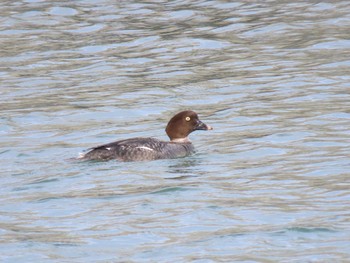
[{"x": 144, "y": 149}]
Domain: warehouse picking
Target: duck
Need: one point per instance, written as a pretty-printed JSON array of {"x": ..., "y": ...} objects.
[{"x": 146, "y": 149}]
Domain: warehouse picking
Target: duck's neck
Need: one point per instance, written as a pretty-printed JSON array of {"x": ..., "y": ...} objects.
[{"x": 181, "y": 140}]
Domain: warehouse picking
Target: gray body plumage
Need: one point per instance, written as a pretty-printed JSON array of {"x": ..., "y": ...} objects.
[{"x": 139, "y": 149}]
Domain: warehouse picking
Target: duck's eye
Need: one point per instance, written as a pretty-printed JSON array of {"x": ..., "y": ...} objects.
[{"x": 187, "y": 118}]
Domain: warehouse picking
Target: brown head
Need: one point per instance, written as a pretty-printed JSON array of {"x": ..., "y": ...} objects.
[{"x": 182, "y": 124}]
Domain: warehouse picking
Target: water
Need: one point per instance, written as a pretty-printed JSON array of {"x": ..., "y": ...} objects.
[{"x": 269, "y": 184}]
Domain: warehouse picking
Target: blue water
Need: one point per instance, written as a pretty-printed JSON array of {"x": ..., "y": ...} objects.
[{"x": 268, "y": 184}]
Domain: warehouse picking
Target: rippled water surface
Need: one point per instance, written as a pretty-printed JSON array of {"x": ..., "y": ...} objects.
[{"x": 270, "y": 183}]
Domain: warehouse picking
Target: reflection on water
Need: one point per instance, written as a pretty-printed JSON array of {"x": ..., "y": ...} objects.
[{"x": 270, "y": 182}]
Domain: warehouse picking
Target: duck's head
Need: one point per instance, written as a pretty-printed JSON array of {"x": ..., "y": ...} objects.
[{"x": 182, "y": 124}]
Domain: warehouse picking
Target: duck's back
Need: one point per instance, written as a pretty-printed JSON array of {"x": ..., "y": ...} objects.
[{"x": 139, "y": 149}]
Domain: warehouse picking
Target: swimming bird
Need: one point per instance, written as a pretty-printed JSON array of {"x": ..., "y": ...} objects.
[{"x": 144, "y": 149}]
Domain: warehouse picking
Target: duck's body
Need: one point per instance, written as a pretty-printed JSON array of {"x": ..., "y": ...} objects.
[
  {"x": 143, "y": 149},
  {"x": 140, "y": 149}
]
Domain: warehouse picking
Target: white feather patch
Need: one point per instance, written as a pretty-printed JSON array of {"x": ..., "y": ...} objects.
[{"x": 145, "y": 148}]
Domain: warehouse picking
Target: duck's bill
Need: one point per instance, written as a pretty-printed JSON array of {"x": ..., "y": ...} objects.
[{"x": 203, "y": 126}]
